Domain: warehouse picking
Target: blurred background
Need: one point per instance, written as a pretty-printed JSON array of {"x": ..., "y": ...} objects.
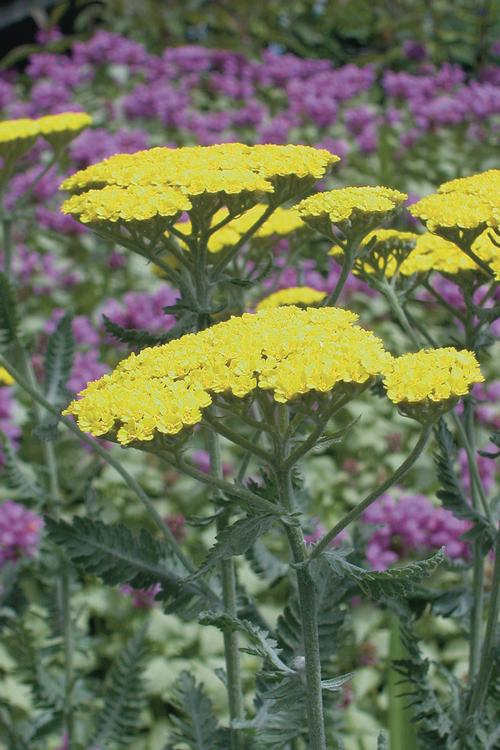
[{"x": 458, "y": 31}]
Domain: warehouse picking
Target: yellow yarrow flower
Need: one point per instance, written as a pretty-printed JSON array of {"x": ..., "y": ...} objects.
[
  {"x": 455, "y": 210},
  {"x": 424, "y": 384},
  {"x": 484, "y": 183},
  {"x": 227, "y": 168},
  {"x": 18, "y": 130},
  {"x": 294, "y": 295},
  {"x": 66, "y": 122},
  {"x": 286, "y": 351},
  {"x": 343, "y": 204},
  {"x": 5, "y": 377},
  {"x": 24, "y": 131},
  {"x": 135, "y": 203},
  {"x": 434, "y": 253}
]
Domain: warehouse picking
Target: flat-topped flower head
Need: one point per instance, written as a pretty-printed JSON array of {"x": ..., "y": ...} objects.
[
  {"x": 12, "y": 131},
  {"x": 427, "y": 383},
  {"x": 124, "y": 205},
  {"x": 451, "y": 213},
  {"x": 294, "y": 295},
  {"x": 286, "y": 351},
  {"x": 434, "y": 253},
  {"x": 359, "y": 208},
  {"x": 227, "y": 168},
  {"x": 5, "y": 377},
  {"x": 17, "y": 136},
  {"x": 484, "y": 183}
]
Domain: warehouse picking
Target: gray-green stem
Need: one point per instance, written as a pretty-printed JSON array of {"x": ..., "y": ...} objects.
[
  {"x": 306, "y": 594},
  {"x": 356, "y": 512},
  {"x": 480, "y": 686},
  {"x": 228, "y": 576}
]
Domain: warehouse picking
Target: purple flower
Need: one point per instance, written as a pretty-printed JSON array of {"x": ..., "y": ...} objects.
[
  {"x": 94, "y": 145},
  {"x": 414, "y": 50},
  {"x": 142, "y": 598},
  {"x": 408, "y": 525},
  {"x": 20, "y": 532},
  {"x": 142, "y": 310}
]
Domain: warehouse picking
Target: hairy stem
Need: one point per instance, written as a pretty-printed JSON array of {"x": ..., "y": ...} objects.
[
  {"x": 307, "y": 599},
  {"x": 364, "y": 504},
  {"x": 228, "y": 576},
  {"x": 481, "y": 684}
]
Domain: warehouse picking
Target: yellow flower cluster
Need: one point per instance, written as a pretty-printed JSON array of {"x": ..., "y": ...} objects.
[
  {"x": 454, "y": 210},
  {"x": 294, "y": 295},
  {"x": 484, "y": 183},
  {"x": 5, "y": 377},
  {"x": 431, "y": 375},
  {"x": 282, "y": 221},
  {"x": 350, "y": 203},
  {"x": 135, "y": 203},
  {"x": 226, "y": 168},
  {"x": 26, "y": 128},
  {"x": 287, "y": 351},
  {"x": 465, "y": 203},
  {"x": 434, "y": 253}
]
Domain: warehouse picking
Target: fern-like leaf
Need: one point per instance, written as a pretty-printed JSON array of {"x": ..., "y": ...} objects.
[
  {"x": 451, "y": 493},
  {"x": 124, "y": 697},
  {"x": 195, "y": 724},
  {"x": 116, "y": 555},
  {"x": 236, "y": 539},
  {"x": 59, "y": 361},
  {"x": 397, "y": 582},
  {"x": 138, "y": 337},
  {"x": 17, "y": 475}
]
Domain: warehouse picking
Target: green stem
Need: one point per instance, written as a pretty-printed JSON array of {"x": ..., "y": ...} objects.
[
  {"x": 476, "y": 623},
  {"x": 7, "y": 246},
  {"x": 228, "y": 575},
  {"x": 398, "y": 310},
  {"x": 306, "y": 595},
  {"x": 364, "y": 504},
  {"x": 67, "y": 627},
  {"x": 401, "y": 728},
  {"x": 236, "y": 438},
  {"x": 347, "y": 265},
  {"x": 227, "y": 257},
  {"x": 480, "y": 688}
]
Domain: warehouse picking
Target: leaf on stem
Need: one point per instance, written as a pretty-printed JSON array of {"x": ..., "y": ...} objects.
[
  {"x": 397, "y": 582},
  {"x": 119, "y": 721},
  {"x": 451, "y": 493},
  {"x": 236, "y": 540},
  {"x": 195, "y": 724}
]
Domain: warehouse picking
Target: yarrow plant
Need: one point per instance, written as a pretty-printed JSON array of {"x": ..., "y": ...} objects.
[{"x": 236, "y": 390}]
